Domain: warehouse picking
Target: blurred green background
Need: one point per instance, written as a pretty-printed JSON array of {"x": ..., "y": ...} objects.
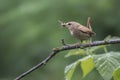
[{"x": 29, "y": 29}]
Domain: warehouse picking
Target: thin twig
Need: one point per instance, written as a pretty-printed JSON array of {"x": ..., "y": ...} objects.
[
  {"x": 63, "y": 48},
  {"x": 63, "y": 42}
]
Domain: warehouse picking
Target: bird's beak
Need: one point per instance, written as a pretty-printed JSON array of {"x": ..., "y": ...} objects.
[{"x": 62, "y": 23}]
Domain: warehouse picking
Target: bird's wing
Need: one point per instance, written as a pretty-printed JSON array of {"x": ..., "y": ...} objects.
[{"x": 85, "y": 30}]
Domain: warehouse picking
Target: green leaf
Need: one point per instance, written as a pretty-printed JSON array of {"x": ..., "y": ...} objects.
[
  {"x": 93, "y": 75},
  {"x": 87, "y": 65},
  {"x": 96, "y": 48},
  {"x": 75, "y": 52},
  {"x": 69, "y": 70},
  {"x": 84, "y": 51},
  {"x": 109, "y": 37},
  {"x": 107, "y": 63},
  {"x": 116, "y": 74}
]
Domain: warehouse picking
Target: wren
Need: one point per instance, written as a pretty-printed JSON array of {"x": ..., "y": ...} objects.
[{"x": 78, "y": 30}]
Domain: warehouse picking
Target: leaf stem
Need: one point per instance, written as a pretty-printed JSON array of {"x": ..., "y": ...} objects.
[{"x": 105, "y": 49}]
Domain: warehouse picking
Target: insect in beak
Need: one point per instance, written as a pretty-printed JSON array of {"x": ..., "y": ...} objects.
[{"x": 62, "y": 23}]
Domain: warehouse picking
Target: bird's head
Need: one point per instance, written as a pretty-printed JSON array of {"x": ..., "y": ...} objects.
[{"x": 69, "y": 24}]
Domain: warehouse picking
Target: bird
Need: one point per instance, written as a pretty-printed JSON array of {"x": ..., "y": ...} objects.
[{"x": 78, "y": 30}]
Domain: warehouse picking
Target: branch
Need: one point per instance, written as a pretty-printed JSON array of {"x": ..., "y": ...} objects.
[{"x": 67, "y": 47}]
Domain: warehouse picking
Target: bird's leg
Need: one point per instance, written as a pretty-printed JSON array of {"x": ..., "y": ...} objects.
[
  {"x": 81, "y": 41},
  {"x": 90, "y": 40},
  {"x": 89, "y": 44}
]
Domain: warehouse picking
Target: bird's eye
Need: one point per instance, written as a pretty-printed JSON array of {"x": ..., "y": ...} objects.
[{"x": 69, "y": 23}]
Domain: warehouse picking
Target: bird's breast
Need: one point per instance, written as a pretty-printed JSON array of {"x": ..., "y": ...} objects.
[
  {"x": 79, "y": 34},
  {"x": 71, "y": 32}
]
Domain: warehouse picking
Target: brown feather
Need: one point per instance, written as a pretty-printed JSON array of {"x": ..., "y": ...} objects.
[{"x": 84, "y": 29}]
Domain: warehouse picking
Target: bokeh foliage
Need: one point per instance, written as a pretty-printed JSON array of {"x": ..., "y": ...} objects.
[{"x": 29, "y": 30}]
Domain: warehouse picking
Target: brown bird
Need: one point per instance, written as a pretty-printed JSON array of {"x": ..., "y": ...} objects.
[{"x": 79, "y": 31}]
